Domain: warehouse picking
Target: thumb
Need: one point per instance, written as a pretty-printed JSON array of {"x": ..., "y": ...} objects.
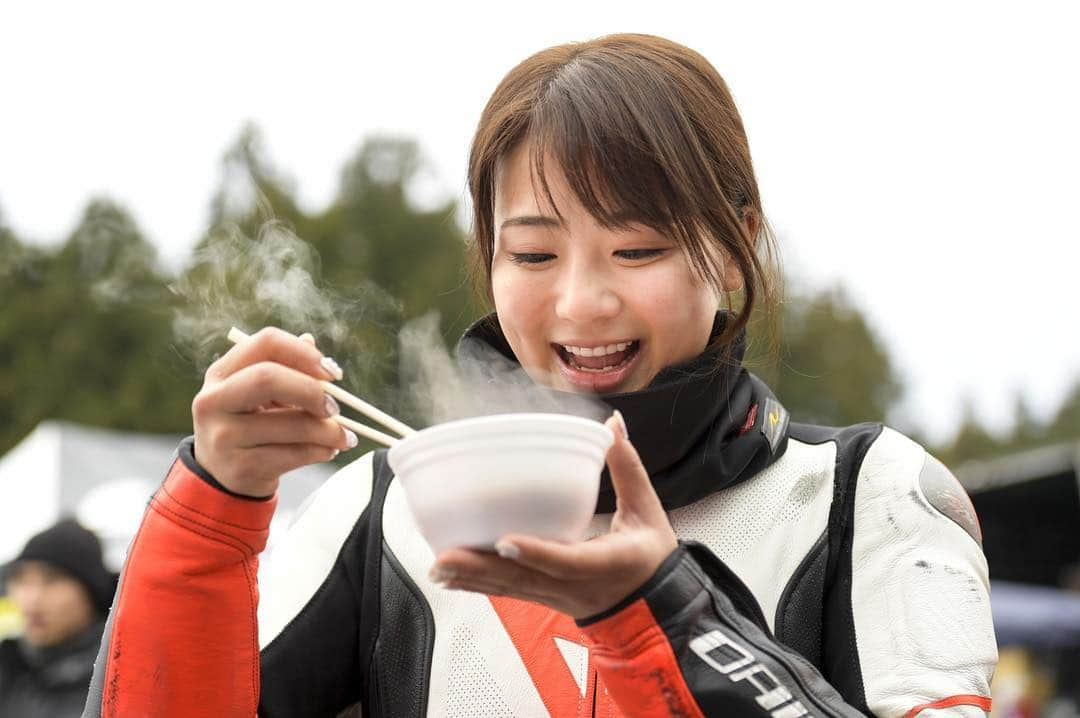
[{"x": 633, "y": 490}]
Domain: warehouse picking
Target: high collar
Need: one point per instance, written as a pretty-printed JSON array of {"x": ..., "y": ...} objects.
[{"x": 699, "y": 426}]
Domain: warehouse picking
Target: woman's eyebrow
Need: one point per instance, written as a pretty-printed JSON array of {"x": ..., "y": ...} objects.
[
  {"x": 628, "y": 216},
  {"x": 530, "y": 220}
]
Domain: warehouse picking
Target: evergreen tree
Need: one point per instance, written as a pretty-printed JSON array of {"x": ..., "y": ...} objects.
[
  {"x": 833, "y": 369},
  {"x": 1027, "y": 431},
  {"x": 1065, "y": 425},
  {"x": 88, "y": 338},
  {"x": 368, "y": 262},
  {"x": 972, "y": 440},
  {"x": 94, "y": 331}
]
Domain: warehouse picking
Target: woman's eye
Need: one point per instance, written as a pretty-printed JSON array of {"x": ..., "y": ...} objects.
[
  {"x": 530, "y": 258},
  {"x": 633, "y": 254}
]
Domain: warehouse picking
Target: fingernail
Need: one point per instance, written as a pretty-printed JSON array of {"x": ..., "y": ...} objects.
[
  {"x": 507, "y": 549},
  {"x": 334, "y": 455},
  {"x": 308, "y": 337},
  {"x": 350, "y": 439},
  {"x": 332, "y": 408},
  {"x": 332, "y": 368},
  {"x": 616, "y": 423},
  {"x": 441, "y": 575}
]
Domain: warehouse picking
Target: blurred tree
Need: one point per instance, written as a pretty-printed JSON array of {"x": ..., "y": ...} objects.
[
  {"x": 11, "y": 250},
  {"x": 16, "y": 259},
  {"x": 1027, "y": 431},
  {"x": 251, "y": 188},
  {"x": 972, "y": 440},
  {"x": 90, "y": 338},
  {"x": 418, "y": 256},
  {"x": 833, "y": 370},
  {"x": 1065, "y": 425},
  {"x": 19, "y": 265},
  {"x": 88, "y": 331},
  {"x": 378, "y": 260}
]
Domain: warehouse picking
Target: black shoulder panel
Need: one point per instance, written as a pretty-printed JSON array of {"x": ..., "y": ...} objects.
[
  {"x": 799, "y": 612},
  {"x": 318, "y": 664},
  {"x": 312, "y": 665},
  {"x": 400, "y": 679},
  {"x": 839, "y": 651},
  {"x": 371, "y": 605}
]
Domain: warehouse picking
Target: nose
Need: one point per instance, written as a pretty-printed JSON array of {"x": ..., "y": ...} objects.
[{"x": 586, "y": 295}]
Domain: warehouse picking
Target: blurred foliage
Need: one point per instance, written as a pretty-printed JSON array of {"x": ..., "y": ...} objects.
[
  {"x": 87, "y": 327},
  {"x": 832, "y": 369},
  {"x": 973, "y": 441},
  {"x": 383, "y": 260},
  {"x": 84, "y": 334},
  {"x": 1066, "y": 423}
]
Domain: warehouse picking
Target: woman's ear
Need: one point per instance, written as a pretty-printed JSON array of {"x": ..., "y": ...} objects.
[
  {"x": 732, "y": 279},
  {"x": 727, "y": 272},
  {"x": 752, "y": 223}
]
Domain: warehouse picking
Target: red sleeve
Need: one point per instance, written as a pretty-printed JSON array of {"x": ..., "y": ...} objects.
[
  {"x": 633, "y": 656},
  {"x": 184, "y": 636}
]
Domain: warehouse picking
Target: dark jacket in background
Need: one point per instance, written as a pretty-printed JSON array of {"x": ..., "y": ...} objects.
[{"x": 47, "y": 682}]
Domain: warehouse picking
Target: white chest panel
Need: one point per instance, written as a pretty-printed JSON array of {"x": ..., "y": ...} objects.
[
  {"x": 763, "y": 528},
  {"x": 475, "y": 669}
]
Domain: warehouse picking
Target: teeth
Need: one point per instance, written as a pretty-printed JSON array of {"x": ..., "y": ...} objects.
[{"x": 597, "y": 351}]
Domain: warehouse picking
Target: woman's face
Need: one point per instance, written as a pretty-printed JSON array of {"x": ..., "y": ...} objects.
[{"x": 584, "y": 308}]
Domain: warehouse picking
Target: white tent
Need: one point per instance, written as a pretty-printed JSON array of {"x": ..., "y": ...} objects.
[{"x": 104, "y": 478}]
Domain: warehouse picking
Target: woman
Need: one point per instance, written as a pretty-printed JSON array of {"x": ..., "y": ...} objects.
[{"x": 743, "y": 566}]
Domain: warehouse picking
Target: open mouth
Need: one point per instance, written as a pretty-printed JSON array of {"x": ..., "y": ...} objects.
[
  {"x": 600, "y": 368},
  {"x": 598, "y": 359}
]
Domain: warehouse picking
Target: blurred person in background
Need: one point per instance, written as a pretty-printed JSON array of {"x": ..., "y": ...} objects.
[{"x": 63, "y": 591}]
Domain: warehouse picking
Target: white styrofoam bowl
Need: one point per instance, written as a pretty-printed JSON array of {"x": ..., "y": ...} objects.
[{"x": 472, "y": 481}]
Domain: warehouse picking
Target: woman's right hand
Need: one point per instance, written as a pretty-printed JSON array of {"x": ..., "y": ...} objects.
[{"x": 262, "y": 412}]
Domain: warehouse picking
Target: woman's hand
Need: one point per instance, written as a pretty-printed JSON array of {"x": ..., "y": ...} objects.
[
  {"x": 584, "y": 578},
  {"x": 261, "y": 412}
]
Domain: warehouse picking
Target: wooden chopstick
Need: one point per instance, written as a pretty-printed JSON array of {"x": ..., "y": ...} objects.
[
  {"x": 366, "y": 431},
  {"x": 372, "y": 412}
]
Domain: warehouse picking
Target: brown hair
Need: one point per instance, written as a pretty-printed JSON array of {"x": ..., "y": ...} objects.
[{"x": 640, "y": 125}]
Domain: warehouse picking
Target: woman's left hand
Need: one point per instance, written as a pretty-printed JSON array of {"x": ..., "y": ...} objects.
[{"x": 584, "y": 578}]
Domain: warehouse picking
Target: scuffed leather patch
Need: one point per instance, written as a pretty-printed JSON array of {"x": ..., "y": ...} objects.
[{"x": 944, "y": 492}]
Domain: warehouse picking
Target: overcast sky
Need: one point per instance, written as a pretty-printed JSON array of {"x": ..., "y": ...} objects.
[{"x": 926, "y": 156}]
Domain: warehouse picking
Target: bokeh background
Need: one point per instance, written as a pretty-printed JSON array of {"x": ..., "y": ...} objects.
[{"x": 165, "y": 171}]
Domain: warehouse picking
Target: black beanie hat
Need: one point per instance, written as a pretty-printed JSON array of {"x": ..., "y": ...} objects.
[{"x": 77, "y": 551}]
